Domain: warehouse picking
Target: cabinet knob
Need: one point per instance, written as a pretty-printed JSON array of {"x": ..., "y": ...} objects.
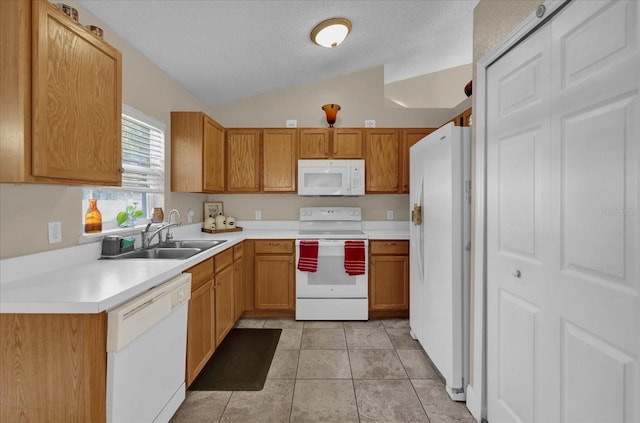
[{"x": 516, "y": 273}]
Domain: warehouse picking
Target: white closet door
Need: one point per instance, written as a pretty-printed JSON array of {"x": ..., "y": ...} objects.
[
  {"x": 563, "y": 209},
  {"x": 517, "y": 228},
  {"x": 595, "y": 186}
]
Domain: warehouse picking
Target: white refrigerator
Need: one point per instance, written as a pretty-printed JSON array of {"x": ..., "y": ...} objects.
[{"x": 440, "y": 209}]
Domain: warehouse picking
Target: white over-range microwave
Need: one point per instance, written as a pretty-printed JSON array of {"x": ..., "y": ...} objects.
[{"x": 331, "y": 177}]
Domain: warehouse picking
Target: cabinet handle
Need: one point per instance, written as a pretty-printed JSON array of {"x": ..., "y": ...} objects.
[
  {"x": 390, "y": 243},
  {"x": 273, "y": 243}
]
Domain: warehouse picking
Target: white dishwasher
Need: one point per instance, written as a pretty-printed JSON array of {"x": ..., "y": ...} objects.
[{"x": 146, "y": 354}]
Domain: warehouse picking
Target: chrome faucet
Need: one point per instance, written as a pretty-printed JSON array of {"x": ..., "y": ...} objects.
[
  {"x": 169, "y": 234},
  {"x": 147, "y": 238}
]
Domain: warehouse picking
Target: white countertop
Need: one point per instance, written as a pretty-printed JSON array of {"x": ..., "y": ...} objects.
[{"x": 73, "y": 280}]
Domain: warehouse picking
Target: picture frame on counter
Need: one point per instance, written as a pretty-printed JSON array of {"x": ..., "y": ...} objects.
[{"x": 213, "y": 209}]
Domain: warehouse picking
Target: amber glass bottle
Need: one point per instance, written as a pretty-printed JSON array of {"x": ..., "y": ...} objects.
[{"x": 93, "y": 218}]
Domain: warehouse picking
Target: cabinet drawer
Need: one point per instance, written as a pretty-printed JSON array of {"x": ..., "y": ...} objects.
[
  {"x": 269, "y": 246},
  {"x": 238, "y": 251},
  {"x": 201, "y": 273},
  {"x": 389, "y": 247},
  {"x": 224, "y": 259}
]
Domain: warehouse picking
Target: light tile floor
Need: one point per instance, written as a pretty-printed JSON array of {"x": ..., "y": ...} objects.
[{"x": 338, "y": 372}]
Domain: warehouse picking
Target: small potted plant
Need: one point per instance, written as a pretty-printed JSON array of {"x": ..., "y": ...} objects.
[{"x": 127, "y": 217}]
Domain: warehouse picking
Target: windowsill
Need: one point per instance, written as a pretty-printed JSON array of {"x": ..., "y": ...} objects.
[{"x": 86, "y": 238}]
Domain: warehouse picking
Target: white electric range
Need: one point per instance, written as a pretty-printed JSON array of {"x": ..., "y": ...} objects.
[{"x": 330, "y": 293}]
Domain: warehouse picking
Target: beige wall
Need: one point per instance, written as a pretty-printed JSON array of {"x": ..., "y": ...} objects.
[
  {"x": 360, "y": 96},
  {"x": 26, "y": 209},
  {"x": 442, "y": 89},
  {"x": 493, "y": 20}
]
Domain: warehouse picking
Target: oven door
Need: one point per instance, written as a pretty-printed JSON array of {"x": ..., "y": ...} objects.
[{"x": 330, "y": 280}]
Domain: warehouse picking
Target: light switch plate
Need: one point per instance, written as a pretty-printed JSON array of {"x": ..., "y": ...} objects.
[{"x": 292, "y": 123}]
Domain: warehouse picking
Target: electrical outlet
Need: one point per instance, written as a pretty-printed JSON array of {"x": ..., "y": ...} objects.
[
  {"x": 389, "y": 214},
  {"x": 292, "y": 123},
  {"x": 258, "y": 214},
  {"x": 55, "y": 232},
  {"x": 370, "y": 123}
]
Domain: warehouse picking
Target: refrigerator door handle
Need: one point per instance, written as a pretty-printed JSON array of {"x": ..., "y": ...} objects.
[{"x": 416, "y": 215}]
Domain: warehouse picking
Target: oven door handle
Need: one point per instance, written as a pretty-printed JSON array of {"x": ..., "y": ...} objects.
[{"x": 333, "y": 241}]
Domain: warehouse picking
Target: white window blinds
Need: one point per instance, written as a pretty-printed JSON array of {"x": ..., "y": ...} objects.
[{"x": 142, "y": 154}]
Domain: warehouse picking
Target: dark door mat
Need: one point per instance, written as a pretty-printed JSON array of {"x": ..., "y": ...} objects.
[{"x": 240, "y": 363}]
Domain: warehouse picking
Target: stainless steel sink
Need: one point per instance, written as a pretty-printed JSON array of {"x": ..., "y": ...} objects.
[
  {"x": 162, "y": 253},
  {"x": 178, "y": 250},
  {"x": 203, "y": 244}
]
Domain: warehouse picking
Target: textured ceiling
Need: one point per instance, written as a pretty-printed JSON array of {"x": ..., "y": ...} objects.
[{"x": 225, "y": 51}]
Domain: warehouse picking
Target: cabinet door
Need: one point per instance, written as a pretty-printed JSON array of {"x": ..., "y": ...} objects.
[
  {"x": 389, "y": 283},
  {"x": 314, "y": 143},
  {"x": 200, "y": 330},
  {"x": 214, "y": 158},
  {"x": 238, "y": 287},
  {"x": 347, "y": 143},
  {"x": 279, "y": 153},
  {"x": 274, "y": 282},
  {"x": 77, "y": 101},
  {"x": 224, "y": 303},
  {"x": 410, "y": 137},
  {"x": 243, "y": 160},
  {"x": 382, "y": 155},
  {"x": 186, "y": 151}
]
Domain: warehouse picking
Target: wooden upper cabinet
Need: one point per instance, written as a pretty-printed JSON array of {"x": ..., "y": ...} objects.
[
  {"x": 214, "y": 156},
  {"x": 410, "y": 136},
  {"x": 382, "y": 160},
  {"x": 347, "y": 143},
  {"x": 330, "y": 143},
  {"x": 463, "y": 119},
  {"x": 315, "y": 143},
  {"x": 197, "y": 153},
  {"x": 243, "y": 160},
  {"x": 62, "y": 103},
  {"x": 279, "y": 155}
]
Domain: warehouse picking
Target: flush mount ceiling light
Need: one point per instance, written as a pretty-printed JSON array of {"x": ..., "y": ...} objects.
[{"x": 331, "y": 33}]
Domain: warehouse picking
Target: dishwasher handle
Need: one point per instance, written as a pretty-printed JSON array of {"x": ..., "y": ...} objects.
[{"x": 130, "y": 320}]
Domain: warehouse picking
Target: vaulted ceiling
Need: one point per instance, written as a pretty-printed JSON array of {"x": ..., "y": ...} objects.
[{"x": 225, "y": 51}]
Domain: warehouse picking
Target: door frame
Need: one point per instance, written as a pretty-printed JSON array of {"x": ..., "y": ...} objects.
[{"x": 477, "y": 393}]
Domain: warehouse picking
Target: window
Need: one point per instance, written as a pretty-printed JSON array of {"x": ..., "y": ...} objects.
[{"x": 143, "y": 175}]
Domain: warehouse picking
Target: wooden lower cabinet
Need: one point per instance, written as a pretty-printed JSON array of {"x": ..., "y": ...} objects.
[
  {"x": 53, "y": 367},
  {"x": 274, "y": 275},
  {"x": 389, "y": 275},
  {"x": 223, "y": 288},
  {"x": 201, "y": 319},
  {"x": 238, "y": 280}
]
